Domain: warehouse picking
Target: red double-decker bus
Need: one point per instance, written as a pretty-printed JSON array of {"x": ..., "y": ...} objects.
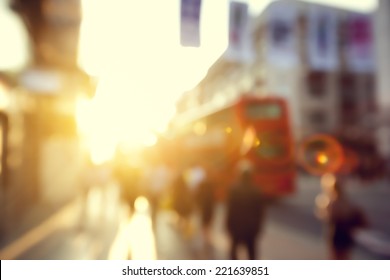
[{"x": 251, "y": 128}]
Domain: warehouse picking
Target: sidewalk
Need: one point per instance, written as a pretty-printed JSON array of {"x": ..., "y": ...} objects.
[
  {"x": 116, "y": 236},
  {"x": 82, "y": 229},
  {"x": 169, "y": 242},
  {"x": 37, "y": 214}
]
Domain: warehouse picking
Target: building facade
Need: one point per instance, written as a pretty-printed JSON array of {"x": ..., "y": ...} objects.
[
  {"x": 327, "y": 92},
  {"x": 382, "y": 23}
]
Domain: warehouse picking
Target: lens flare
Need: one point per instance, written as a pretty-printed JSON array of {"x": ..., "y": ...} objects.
[{"x": 322, "y": 158}]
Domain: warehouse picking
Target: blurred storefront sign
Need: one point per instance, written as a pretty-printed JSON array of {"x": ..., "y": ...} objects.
[
  {"x": 189, "y": 26},
  {"x": 42, "y": 81},
  {"x": 55, "y": 82}
]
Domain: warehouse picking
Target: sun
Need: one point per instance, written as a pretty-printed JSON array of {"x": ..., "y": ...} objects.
[
  {"x": 141, "y": 71},
  {"x": 115, "y": 115}
]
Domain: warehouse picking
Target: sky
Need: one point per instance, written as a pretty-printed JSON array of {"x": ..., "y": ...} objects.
[
  {"x": 148, "y": 31},
  {"x": 133, "y": 47},
  {"x": 14, "y": 52},
  {"x": 13, "y": 47},
  {"x": 144, "y": 50}
]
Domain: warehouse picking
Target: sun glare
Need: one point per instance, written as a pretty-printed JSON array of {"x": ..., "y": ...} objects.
[
  {"x": 116, "y": 115},
  {"x": 142, "y": 69}
]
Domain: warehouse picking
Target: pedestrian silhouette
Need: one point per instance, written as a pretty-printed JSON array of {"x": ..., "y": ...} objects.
[
  {"x": 183, "y": 202},
  {"x": 341, "y": 216},
  {"x": 128, "y": 178},
  {"x": 158, "y": 179},
  {"x": 206, "y": 204},
  {"x": 245, "y": 213}
]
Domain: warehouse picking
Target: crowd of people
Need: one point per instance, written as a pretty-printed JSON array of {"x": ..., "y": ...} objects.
[{"x": 193, "y": 192}]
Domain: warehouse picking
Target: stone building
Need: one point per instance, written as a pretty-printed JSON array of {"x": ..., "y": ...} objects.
[{"x": 322, "y": 99}]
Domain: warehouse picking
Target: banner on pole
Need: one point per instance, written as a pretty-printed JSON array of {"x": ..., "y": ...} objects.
[
  {"x": 322, "y": 44},
  {"x": 189, "y": 23},
  {"x": 359, "y": 49},
  {"x": 281, "y": 38},
  {"x": 239, "y": 43}
]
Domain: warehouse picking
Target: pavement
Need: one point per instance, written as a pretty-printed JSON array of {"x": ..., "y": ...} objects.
[
  {"x": 291, "y": 230},
  {"x": 166, "y": 240},
  {"x": 83, "y": 228},
  {"x": 61, "y": 236},
  {"x": 100, "y": 227}
]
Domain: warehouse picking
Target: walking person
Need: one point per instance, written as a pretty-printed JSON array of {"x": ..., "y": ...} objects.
[
  {"x": 127, "y": 177},
  {"x": 341, "y": 217},
  {"x": 158, "y": 182},
  {"x": 245, "y": 213},
  {"x": 183, "y": 203},
  {"x": 206, "y": 204}
]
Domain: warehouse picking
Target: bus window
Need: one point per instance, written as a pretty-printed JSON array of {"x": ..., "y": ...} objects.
[
  {"x": 263, "y": 111},
  {"x": 271, "y": 151},
  {"x": 253, "y": 128}
]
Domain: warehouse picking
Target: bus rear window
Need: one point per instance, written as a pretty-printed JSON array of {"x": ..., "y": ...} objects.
[
  {"x": 267, "y": 111},
  {"x": 272, "y": 151},
  {"x": 272, "y": 144}
]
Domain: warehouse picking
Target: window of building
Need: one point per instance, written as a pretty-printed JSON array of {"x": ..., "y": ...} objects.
[
  {"x": 370, "y": 94},
  {"x": 348, "y": 97},
  {"x": 316, "y": 83},
  {"x": 317, "y": 119}
]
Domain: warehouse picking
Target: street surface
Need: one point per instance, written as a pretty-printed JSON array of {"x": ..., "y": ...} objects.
[{"x": 99, "y": 226}]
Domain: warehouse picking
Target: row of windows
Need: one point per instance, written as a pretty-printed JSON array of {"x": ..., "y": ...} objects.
[{"x": 348, "y": 83}]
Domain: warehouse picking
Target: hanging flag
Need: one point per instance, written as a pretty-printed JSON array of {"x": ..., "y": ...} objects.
[
  {"x": 359, "y": 49},
  {"x": 189, "y": 27},
  {"x": 239, "y": 42},
  {"x": 281, "y": 39},
  {"x": 322, "y": 45}
]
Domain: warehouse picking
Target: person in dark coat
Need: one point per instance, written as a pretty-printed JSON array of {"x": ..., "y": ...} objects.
[
  {"x": 206, "y": 203},
  {"x": 245, "y": 214},
  {"x": 183, "y": 203},
  {"x": 342, "y": 219}
]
